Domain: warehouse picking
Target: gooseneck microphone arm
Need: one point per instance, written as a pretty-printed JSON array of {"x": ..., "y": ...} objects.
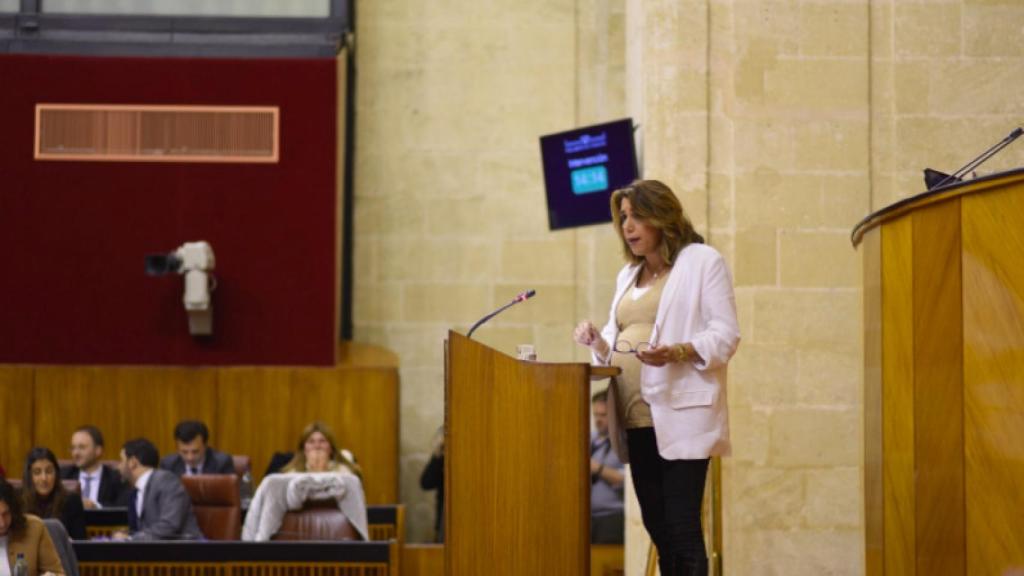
[
  {"x": 955, "y": 176},
  {"x": 521, "y": 297}
]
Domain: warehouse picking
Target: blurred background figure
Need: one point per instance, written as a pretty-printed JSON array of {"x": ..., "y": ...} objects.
[
  {"x": 45, "y": 496},
  {"x": 432, "y": 478},
  {"x": 101, "y": 485},
  {"x": 195, "y": 455},
  {"x": 318, "y": 452},
  {"x": 25, "y": 535},
  {"x": 607, "y": 517}
]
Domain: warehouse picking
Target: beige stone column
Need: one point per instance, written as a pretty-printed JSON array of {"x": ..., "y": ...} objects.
[{"x": 667, "y": 79}]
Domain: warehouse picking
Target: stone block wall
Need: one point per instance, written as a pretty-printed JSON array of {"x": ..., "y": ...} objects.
[{"x": 780, "y": 124}]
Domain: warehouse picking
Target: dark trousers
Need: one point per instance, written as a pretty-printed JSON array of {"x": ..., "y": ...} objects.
[{"x": 670, "y": 493}]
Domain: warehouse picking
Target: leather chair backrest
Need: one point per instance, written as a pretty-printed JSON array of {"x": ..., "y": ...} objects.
[
  {"x": 216, "y": 505},
  {"x": 62, "y": 543},
  {"x": 318, "y": 520}
]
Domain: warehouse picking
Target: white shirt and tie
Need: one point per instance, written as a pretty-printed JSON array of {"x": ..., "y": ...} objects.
[
  {"x": 90, "y": 483},
  {"x": 140, "y": 495},
  {"x": 194, "y": 470}
]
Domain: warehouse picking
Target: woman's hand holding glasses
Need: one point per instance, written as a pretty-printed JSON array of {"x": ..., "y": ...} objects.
[{"x": 661, "y": 355}]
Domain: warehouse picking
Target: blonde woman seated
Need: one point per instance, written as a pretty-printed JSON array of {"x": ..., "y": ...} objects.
[
  {"x": 318, "y": 452},
  {"x": 318, "y": 471}
]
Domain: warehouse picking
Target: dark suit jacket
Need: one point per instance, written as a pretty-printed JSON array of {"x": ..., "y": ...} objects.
[
  {"x": 166, "y": 510},
  {"x": 113, "y": 490},
  {"x": 73, "y": 517},
  {"x": 215, "y": 463}
]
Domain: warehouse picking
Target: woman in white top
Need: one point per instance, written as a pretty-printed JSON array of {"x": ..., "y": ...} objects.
[{"x": 672, "y": 330}]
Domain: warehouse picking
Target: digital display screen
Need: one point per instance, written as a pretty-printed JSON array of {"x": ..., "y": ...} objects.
[{"x": 581, "y": 169}]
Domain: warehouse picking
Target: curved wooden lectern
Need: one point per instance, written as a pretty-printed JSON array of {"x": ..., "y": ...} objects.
[
  {"x": 944, "y": 380},
  {"x": 517, "y": 464}
]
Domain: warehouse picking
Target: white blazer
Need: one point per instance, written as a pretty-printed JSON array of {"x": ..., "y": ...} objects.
[{"x": 688, "y": 403}]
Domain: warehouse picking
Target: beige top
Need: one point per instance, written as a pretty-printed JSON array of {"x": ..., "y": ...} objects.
[{"x": 635, "y": 319}]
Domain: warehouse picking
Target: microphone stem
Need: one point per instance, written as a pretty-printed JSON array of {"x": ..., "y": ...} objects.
[
  {"x": 489, "y": 316},
  {"x": 981, "y": 159}
]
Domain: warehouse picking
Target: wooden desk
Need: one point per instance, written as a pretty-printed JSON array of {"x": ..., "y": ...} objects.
[{"x": 237, "y": 558}]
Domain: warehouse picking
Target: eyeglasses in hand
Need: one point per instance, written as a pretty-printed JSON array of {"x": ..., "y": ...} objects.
[{"x": 626, "y": 347}]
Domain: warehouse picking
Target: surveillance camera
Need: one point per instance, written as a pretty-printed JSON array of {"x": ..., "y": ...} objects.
[
  {"x": 160, "y": 264},
  {"x": 195, "y": 261}
]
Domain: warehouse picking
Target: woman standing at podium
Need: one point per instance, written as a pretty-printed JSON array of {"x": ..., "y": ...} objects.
[{"x": 672, "y": 330}]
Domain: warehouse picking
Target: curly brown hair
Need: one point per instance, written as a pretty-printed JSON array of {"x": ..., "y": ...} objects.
[
  {"x": 656, "y": 205},
  {"x": 10, "y": 497}
]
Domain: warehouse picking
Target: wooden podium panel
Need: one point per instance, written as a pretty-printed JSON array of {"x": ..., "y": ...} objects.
[
  {"x": 944, "y": 380},
  {"x": 517, "y": 476},
  {"x": 993, "y": 248}
]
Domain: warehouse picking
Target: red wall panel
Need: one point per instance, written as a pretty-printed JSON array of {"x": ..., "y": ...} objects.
[{"x": 73, "y": 235}]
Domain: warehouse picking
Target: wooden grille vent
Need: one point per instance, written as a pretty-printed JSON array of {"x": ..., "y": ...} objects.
[{"x": 115, "y": 133}]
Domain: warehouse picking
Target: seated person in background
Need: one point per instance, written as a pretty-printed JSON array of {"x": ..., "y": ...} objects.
[
  {"x": 432, "y": 478},
  {"x": 318, "y": 452},
  {"x": 159, "y": 508},
  {"x": 101, "y": 485},
  {"x": 44, "y": 494},
  {"x": 25, "y": 535},
  {"x": 318, "y": 471},
  {"x": 194, "y": 455},
  {"x": 607, "y": 517}
]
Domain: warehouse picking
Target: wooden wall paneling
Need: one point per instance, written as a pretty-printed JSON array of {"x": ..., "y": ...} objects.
[
  {"x": 993, "y": 282},
  {"x": 362, "y": 405},
  {"x": 423, "y": 560},
  {"x": 16, "y": 383},
  {"x": 873, "y": 511},
  {"x": 898, "y": 397},
  {"x": 607, "y": 559},
  {"x": 256, "y": 414},
  {"x": 265, "y": 409},
  {"x": 124, "y": 402},
  {"x": 938, "y": 390}
]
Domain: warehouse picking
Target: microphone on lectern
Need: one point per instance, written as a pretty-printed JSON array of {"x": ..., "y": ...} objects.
[
  {"x": 935, "y": 179},
  {"x": 522, "y": 296}
]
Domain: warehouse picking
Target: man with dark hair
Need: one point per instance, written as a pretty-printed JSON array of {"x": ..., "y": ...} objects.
[
  {"x": 194, "y": 455},
  {"x": 101, "y": 485},
  {"x": 607, "y": 517},
  {"x": 159, "y": 508}
]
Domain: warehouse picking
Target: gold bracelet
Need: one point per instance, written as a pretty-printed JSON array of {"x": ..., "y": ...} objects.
[{"x": 681, "y": 353}]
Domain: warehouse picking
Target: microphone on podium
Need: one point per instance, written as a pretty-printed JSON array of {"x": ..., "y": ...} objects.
[
  {"x": 519, "y": 298},
  {"x": 934, "y": 179}
]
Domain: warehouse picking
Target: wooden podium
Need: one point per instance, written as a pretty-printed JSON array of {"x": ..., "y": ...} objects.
[
  {"x": 944, "y": 380},
  {"x": 517, "y": 464}
]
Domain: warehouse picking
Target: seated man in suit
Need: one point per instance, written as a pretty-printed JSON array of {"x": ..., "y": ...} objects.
[
  {"x": 607, "y": 476},
  {"x": 194, "y": 455},
  {"x": 159, "y": 508},
  {"x": 101, "y": 485}
]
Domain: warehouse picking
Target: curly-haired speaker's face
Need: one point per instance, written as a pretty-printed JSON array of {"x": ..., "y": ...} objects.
[{"x": 642, "y": 238}]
